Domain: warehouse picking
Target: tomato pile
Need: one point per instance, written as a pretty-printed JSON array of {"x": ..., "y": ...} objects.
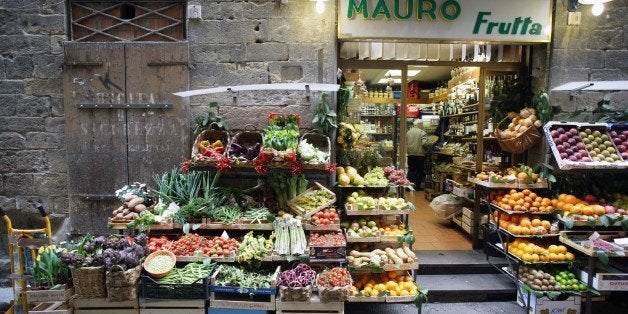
[
  {"x": 210, "y": 247},
  {"x": 327, "y": 239},
  {"x": 336, "y": 277},
  {"x": 158, "y": 243},
  {"x": 325, "y": 217}
]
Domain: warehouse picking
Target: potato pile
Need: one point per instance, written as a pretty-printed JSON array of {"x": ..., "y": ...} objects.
[
  {"x": 521, "y": 122},
  {"x": 380, "y": 258},
  {"x": 131, "y": 209}
]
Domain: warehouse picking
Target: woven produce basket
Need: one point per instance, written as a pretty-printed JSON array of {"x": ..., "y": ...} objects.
[
  {"x": 122, "y": 285},
  {"x": 335, "y": 294},
  {"x": 212, "y": 134},
  {"x": 149, "y": 258},
  {"x": 319, "y": 141},
  {"x": 521, "y": 143},
  {"x": 248, "y": 137},
  {"x": 89, "y": 282},
  {"x": 301, "y": 294}
]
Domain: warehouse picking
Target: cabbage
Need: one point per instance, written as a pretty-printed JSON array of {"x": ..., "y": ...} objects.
[{"x": 306, "y": 150}]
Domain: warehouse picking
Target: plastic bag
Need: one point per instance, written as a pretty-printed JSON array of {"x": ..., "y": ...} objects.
[{"x": 446, "y": 206}]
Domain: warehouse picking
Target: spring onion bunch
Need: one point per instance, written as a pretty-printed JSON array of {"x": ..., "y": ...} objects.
[{"x": 290, "y": 237}]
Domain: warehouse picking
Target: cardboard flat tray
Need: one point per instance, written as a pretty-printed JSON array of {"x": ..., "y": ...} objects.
[
  {"x": 515, "y": 185},
  {"x": 574, "y": 240}
]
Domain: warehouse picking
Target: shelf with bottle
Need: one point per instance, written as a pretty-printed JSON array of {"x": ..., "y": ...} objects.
[{"x": 462, "y": 75}]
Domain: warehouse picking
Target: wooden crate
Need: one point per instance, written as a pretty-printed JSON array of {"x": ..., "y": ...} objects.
[
  {"x": 52, "y": 308},
  {"x": 102, "y": 306},
  {"x": 232, "y": 298},
  {"x": 59, "y": 295},
  {"x": 314, "y": 306},
  {"x": 152, "y": 306},
  {"x": 307, "y": 214}
]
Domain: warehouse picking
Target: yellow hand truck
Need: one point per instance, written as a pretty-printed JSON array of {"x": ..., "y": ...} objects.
[{"x": 21, "y": 243}]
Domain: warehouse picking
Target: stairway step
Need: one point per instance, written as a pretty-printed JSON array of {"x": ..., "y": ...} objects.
[
  {"x": 468, "y": 288},
  {"x": 441, "y": 262},
  {"x": 474, "y": 308}
]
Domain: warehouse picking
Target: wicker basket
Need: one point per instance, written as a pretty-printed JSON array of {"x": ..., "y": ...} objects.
[
  {"x": 89, "y": 282},
  {"x": 149, "y": 258},
  {"x": 335, "y": 294},
  {"x": 301, "y": 294},
  {"x": 248, "y": 137},
  {"x": 122, "y": 285},
  {"x": 212, "y": 134},
  {"x": 521, "y": 143},
  {"x": 319, "y": 141}
]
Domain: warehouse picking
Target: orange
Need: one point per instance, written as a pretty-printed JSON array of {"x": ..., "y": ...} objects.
[
  {"x": 407, "y": 279},
  {"x": 525, "y": 222},
  {"x": 526, "y": 192},
  {"x": 569, "y": 256},
  {"x": 522, "y": 176},
  {"x": 374, "y": 293},
  {"x": 513, "y": 191},
  {"x": 543, "y": 258},
  {"x": 546, "y": 224},
  {"x": 552, "y": 257},
  {"x": 534, "y": 208},
  {"x": 525, "y": 230},
  {"x": 391, "y": 285},
  {"x": 527, "y": 199},
  {"x": 392, "y": 274},
  {"x": 518, "y": 208},
  {"x": 404, "y": 293},
  {"x": 561, "y": 257},
  {"x": 533, "y": 195},
  {"x": 392, "y": 293},
  {"x": 504, "y": 217},
  {"x": 562, "y": 248},
  {"x": 536, "y": 222},
  {"x": 506, "y": 207},
  {"x": 535, "y": 257},
  {"x": 571, "y": 199}
]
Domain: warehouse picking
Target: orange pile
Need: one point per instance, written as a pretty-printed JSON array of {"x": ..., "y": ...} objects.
[
  {"x": 576, "y": 206},
  {"x": 531, "y": 252},
  {"x": 389, "y": 283},
  {"x": 524, "y": 224},
  {"x": 524, "y": 200}
]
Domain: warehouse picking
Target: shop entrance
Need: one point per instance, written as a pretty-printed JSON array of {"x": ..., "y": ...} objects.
[{"x": 445, "y": 96}]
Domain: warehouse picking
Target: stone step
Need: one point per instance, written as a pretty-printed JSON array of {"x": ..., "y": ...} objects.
[
  {"x": 442, "y": 262},
  {"x": 468, "y": 288}
]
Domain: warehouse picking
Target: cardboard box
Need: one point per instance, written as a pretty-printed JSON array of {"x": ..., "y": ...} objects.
[
  {"x": 567, "y": 304},
  {"x": 607, "y": 281}
]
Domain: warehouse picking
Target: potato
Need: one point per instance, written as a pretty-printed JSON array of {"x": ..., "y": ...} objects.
[
  {"x": 129, "y": 197},
  {"x": 128, "y": 216},
  {"x": 139, "y": 208},
  {"x": 119, "y": 216},
  {"x": 126, "y": 211},
  {"x": 136, "y": 201}
]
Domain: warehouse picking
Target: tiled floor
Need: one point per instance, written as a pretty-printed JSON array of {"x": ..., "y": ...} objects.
[{"x": 431, "y": 232}]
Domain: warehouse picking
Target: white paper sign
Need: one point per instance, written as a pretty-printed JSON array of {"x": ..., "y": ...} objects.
[{"x": 512, "y": 21}]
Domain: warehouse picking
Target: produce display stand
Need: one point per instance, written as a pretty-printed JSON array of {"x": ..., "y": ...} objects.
[
  {"x": 313, "y": 306},
  {"x": 102, "y": 306},
  {"x": 243, "y": 298},
  {"x": 165, "y": 306},
  {"x": 504, "y": 236},
  {"x": 52, "y": 308}
]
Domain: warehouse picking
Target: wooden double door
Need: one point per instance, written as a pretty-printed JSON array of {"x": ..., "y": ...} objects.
[{"x": 122, "y": 122}]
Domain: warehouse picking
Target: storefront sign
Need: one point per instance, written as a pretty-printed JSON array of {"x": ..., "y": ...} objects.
[{"x": 446, "y": 20}]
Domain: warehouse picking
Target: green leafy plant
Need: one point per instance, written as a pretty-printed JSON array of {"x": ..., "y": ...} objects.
[
  {"x": 343, "y": 103},
  {"x": 544, "y": 109},
  {"x": 324, "y": 116},
  {"x": 204, "y": 122},
  {"x": 545, "y": 171},
  {"x": 48, "y": 270}
]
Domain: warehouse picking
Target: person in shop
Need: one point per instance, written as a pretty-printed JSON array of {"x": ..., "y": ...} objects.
[{"x": 416, "y": 139}]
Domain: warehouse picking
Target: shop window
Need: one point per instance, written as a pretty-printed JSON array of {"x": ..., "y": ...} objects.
[{"x": 123, "y": 21}]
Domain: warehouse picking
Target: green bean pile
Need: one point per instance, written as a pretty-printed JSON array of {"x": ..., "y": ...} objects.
[{"x": 190, "y": 273}]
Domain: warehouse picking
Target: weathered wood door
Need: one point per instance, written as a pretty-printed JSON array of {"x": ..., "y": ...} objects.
[{"x": 122, "y": 122}]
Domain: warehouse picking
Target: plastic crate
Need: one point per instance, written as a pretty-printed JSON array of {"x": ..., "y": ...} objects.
[{"x": 152, "y": 289}]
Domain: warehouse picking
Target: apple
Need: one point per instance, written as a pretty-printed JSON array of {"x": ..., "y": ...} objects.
[
  {"x": 573, "y": 158},
  {"x": 554, "y": 133},
  {"x": 586, "y": 159},
  {"x": 590, "y": 199},
  {"x": 624, "y": 155},
  {"x": 621, "y": 211},
  {"x": 569, "y": 151},
  {"x": 560, "y": 148},
  {"x": 573, "y": 131},
  {"x": 613, "y": 133},
  {"x": 563, "y": 137},
  {"x": 571, "y": 141},
  {"x": 622, "y": 148},
  {"x": 580, "y": 145},
  {"x": 564, "y": 156},
  {"x": 610, "y": 209},
  {"x": 560, "y": 130}
]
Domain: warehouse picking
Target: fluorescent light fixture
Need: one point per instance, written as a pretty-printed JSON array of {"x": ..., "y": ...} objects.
[
  {"x": 397, "y": 73},
  {"x": 385, "y": 81},
  {"x": 320, "y": 6}
]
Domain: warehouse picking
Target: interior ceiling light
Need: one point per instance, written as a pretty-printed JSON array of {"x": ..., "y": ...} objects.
[
  {"x": 397, "y": 73},
  {"x": 385, "y": 81}
]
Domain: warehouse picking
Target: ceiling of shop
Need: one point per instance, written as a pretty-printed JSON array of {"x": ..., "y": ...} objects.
[{"x": 427, "y": 74}]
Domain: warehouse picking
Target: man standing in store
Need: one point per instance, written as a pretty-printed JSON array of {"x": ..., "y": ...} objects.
[{"x": 415, "y": 139}]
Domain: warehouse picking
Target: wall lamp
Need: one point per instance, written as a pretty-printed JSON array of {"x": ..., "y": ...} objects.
[
  {"x": 597, "y": 6},
  {"x": 320, "y": 6}
]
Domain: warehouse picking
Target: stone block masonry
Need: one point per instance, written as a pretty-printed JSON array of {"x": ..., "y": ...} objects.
[
  {"x": 595, "y": 50},
  {"x": 33, "y": 166},
  {"x": 260, "y": 42}
]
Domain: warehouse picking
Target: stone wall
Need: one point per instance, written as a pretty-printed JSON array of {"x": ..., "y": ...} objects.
[
  {"x": 261, "y": 42},
  {"x": 33, "y": 165},
  {"x": 32, "y": 148},
  {"x": 595, "y": 50}
]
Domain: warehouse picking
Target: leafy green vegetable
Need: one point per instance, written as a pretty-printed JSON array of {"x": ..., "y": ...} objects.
[
  {"x": 203, "y": 122},
  {"x": 324, "y": 116}
]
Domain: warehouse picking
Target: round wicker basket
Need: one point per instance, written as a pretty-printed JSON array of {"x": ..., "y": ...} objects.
[
  {"x": 521, "y": 142},
  {"x": 149, "y": 258}
]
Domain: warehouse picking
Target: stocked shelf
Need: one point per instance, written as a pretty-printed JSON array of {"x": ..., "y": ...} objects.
[
  {"x": 386, "y": 267},
  {"x": 530, "y": 236},
  {"x": 468, "y": 113},
  {"x": 377, "y": 212},
  {"x": 510, "y": 212},
  {"x": 576, "y": 239},
  {"x": 516, "y": 185}
]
